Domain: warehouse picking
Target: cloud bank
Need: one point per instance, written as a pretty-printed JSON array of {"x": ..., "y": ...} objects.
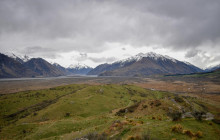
[{"x": 49, "y": 28}]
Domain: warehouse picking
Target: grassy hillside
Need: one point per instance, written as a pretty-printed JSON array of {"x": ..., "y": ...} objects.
[{"x": 105, "y": 111}]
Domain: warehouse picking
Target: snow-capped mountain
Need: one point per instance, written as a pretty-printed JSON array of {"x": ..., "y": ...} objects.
[
  {"x": 19, "y": 58},
  {"x": 11, "y": 67},
  {"x": 145, "y": 64},
  {"x": 79, "y": 69},
  {"x": 78, "y": 66},
  {"x": 149, "y": 55},
  {"x": 212, "y": 68}
]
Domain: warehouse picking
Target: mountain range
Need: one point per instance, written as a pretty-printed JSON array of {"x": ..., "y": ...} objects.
[
  {"x": 12, "y": 66},
  {"x": 81, "y": 69},
  {"x": 141, "y": 64},
  {"x": 212, "y": 68},
  {"x": 145, "y": 65}
]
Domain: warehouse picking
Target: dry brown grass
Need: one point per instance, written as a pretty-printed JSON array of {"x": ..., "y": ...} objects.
[
  {"x": 177, "y": 128},
  {"x": 188, "y": 133},
  {"x": 198, "y": 134}
]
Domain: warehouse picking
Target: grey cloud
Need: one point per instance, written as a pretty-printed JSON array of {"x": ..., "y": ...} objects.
[
  {"x": 36, "y": 51},
  {"x": 191, "y": 53},
  {"x": 168, "y": 22},
  {"x": 102, "y": 59},
  {"x": 81, "y": 57},
  {"x": 85, "y": 26}
]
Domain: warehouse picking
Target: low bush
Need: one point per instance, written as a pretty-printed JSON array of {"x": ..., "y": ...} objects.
[
  {"x": 144, "y": 106},
  {"x": 188, "y": 133},
  {"x": 130, "y": 109},
  {"x": 198, "y": 134},
  {"x": 67, "y": 114},
  {"x": 217, "y": 121},
  {"x": 35, "y": 114},
  {"x": 178, "y": 99},
  {"x": 176, "y": 116},
  {"x": 177, "y": 128},
  {"x": 198, "y": 115},
  {"x": 159, "y": 118}
]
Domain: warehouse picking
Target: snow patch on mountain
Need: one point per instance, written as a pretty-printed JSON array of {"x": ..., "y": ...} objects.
[
  {"x": 55, "y": 64},
  {"x": 152, "y": 55},
  {"x": 78, "y": 66},
  {"x": 24, "y": 58},
  {"x": 188, "y": 63}
]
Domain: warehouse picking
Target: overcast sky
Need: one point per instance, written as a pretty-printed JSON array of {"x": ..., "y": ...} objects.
[{"x": 98, "y": 31}]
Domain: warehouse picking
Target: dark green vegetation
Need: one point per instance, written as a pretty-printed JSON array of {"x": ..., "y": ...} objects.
[
  {"x": 106, "y": 111},
  {"x": 212, "y": 74}
]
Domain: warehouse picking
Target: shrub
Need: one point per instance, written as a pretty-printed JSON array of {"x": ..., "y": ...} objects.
[
  {"x": 144, "y": 106},
  {"x": 141, "y": 122},
  {"x": 198, "y": 115},
  {"x": 157, "y": 103},
  {"x": 177, "y": 128},
  {"x": 35, "y": 114},
  {"x": 125, "y": 131},
  {"x": 67, "y": 114},
  {"x": 178, "y": 99},
  {"x": 176, "y": 116},
  {"x": 24, "y": 131},
  {"x": 143, "y": 95},
  {"x": 159, "y": 118},
  {"x": 217, "y": 121},
  {"x": 130, "y": 109},
  {"x": 131, "y": 138},
  {"x": 188, "y": 133},
  {"x": 198, "y": 134}
]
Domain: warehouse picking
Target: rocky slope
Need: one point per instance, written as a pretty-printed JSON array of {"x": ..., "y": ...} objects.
[{"x": 11, "y": 68}]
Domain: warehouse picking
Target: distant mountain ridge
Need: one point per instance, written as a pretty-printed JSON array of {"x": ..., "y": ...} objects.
[
  {"x": 14, "y": 67},
  {"x": 144, "y": 65},
  {"x": 11, "y": 68},
  {"x": 212, "y": 68},
  {"x": 79, "y": 69},
  {"x": 38, "y": 67},
  {"x": 43, "y": 68},
  {"x": 21, "y": 59},
  {"x": 138, "y": 65}
]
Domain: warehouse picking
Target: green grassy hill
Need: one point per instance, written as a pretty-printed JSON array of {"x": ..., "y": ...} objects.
[{"x": 104, "y": 111}]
